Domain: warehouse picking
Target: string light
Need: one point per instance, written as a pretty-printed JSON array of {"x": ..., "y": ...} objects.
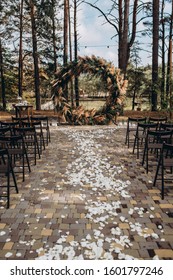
[{"x": 98, "y": 46}]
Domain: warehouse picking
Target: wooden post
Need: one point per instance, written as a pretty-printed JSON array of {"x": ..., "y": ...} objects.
[{"x": 170, "y": 86}]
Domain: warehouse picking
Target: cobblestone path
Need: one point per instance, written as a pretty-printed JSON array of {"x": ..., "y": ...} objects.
[{"x": 87, "y": 198}]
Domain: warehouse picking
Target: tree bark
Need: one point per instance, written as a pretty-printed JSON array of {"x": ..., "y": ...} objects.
[
  {"x": 120, "y": 31},
  {"x": 54, "y": 36},
  {"x": 76, "y": 52},
  {"x": 35, "y": 56},
  {"x": 2, "y": 78},
  {"x": 20, "y": 77},
  {"x": 155, "y": 55},
  {"x": 65, "y": 56},
  {"x": 123, "y": 35},
  {"x": 169, "y": 94},
  {"x": 163, "y": 57},
  {"x": 125, "y": 41},
  {"x": 71, "y": 58}
]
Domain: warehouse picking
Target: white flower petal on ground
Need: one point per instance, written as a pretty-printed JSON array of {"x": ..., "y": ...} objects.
[
  {"x": 116, "y": 231},
  {"x": 8, "y": 255},
  {"x": 122, "y": 219},
  {"x": 2, "y": 233}
]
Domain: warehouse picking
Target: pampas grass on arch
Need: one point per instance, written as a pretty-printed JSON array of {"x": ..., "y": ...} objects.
[{"x": 115, "y": 83}]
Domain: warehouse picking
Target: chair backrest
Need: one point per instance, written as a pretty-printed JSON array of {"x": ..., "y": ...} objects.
[
  {"x": 5, "y": 130},
  {"x": 168, "y": 147},
  {"x": 20, "y": 119},
  {"x": 148, "y": 125},
  {"x": 24, "y": 130},
  {"x": 3, "y": 152},
  {"x": 44, "y": 119},
  {"x": 137, "y": 120},
  {"x": 167, "y": 151},
  {"x": 11, "y": 141},
  {"x": 160, "y": 136},
  {"x": 25, "y": 123},
  {"x": 3, "y": 155},
  {"x": 5, "y": 159},
  {"x": 36, "y": 123},
  {"x": 166, "y": 126},
  {"x": 158, "y": 120},
  {"x": 8, "y": 123},
  {"x": 144, "y": 127}
]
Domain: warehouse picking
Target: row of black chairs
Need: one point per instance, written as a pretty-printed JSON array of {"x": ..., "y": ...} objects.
[
  {"x": 44, "y": 122},
  {"x": 132, "y": 125},
  {"x": 153, "y": 141},
  {"x": 22, "y": 141}
]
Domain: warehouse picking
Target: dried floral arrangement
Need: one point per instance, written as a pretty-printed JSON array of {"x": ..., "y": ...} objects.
[{"x": 115, "y": 84}]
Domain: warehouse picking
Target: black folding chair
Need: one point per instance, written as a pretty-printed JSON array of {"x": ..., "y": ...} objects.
[
  {"x": 31, "y": 142},
  {"x": 141, "y": 134},
  {"x": 131, "y": 127},
  {"x": 153, "y": 143},
  {"x": 165, "y": 163},
  {"x": 6, "y": 170},
  {"x": 45, "y": 125},
  {"x": 17, "y": 152}
]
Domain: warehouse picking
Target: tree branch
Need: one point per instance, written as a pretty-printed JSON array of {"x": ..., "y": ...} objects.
[{"x": 107, "y": 19}]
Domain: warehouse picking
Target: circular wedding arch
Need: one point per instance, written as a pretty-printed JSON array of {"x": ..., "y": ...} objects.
[{"x": 115, "y": 83}]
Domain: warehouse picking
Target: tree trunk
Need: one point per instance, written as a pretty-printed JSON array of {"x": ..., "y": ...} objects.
[
  {"x": 71, "y": 58},
  {"x": 124, "y": 38},
  {"x": 171, "y": 93},
  {"x": 2, "y": 78},
  {"x": 35, "y": 56},
  {"x": 135, "y": 91},
  {"x": 155, "y": 55},
  {"x": 65, "y": 56},
  {"x": 163, "y": 57},
  {"x": 76, "y": 53},
  {"x": 120, "y": 31},
  {"x": 169, "y": 66},
  {"x": 54, "y": 36},
  {"x": 20, "y": 77}
]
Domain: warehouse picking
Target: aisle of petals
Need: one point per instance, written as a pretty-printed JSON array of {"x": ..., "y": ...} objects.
[{"x": 102, "y": 189}]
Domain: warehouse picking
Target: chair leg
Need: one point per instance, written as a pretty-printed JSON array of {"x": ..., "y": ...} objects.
[
  {"x": 49, "y": 135},
  {"x": 8, "y": 185},
  {"x": 126, "y": 140},
  {"x": 137, "y": 148},
  {"x": 143, "y": 158},
  {"x": 162, "y": 191},
  {"x": 157, "y": 172},
  {"x": 23, "y": 166},
  {"x": 14, "y": 180},
  {"x": 134, "y": 144},
  {"x": 8, "y": 190},
  {"x": 147, "y": 160},
  {"x": 27, "y": 160}
]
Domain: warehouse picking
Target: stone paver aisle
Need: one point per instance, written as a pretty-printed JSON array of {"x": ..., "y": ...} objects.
[{"x": 87, "y": 198}]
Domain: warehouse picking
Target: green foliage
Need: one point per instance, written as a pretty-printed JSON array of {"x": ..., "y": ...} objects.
[{"x": 91, "y": 85}]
